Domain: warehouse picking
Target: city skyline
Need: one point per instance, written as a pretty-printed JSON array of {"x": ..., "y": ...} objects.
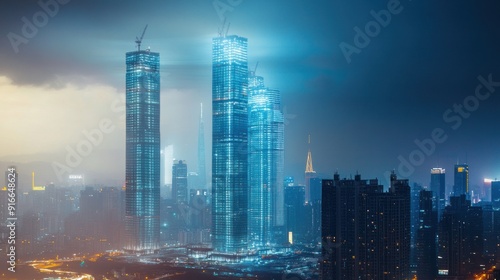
[
  {"x": 308, "y": 75},
  {"x": 135, "y": 179}
]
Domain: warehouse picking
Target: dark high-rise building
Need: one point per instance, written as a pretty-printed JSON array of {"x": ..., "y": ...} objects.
[
  {"x": 461, "y": 183},
  {"x": 438, "y": 188},
  {"x": 294, "y": 205},
  {"x": 142, "y": 174},
  {"x": 460, "y": 238},
  {"x": 179, "y": 182},
  {"x": 315, "y": 202},
  {"x": 414, "y": 221},
  {"x": 199, "y": 201},
  {"x": 266, "y": 160},
  {"x": 491, "y": 225},
  {"x": 495, "y": 194},
  {"x": 365, "y": 232},
  {"x": 229, "y": 143},
  {"x": 426, "y": 258}
]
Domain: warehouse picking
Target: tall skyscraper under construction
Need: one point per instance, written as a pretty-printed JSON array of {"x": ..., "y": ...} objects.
[{"x": 142, "y": 173}]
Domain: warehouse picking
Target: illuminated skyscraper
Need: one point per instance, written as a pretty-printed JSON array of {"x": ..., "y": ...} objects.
[
  {"x": 229, "y": 143},
  {"x": 438, "y": 185},
  {"x": 142, "y": 175},
  {"x": 266, "y": 160},
  {"x": 461, "y": 180}
]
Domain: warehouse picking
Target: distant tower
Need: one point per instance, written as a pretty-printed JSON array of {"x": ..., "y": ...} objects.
[
  {"x": 438, "y": 185},
  {"x": 202, "y": 172},
  {"x": 142, "y": 173},
  {"x": 229, "y": 143},
  {"x": 168, "y": 161},
  {"x": 495, "y": 194},
  {"x": 461, "y": 180},
  {"x": 309, "y": 173},
  {"x": 179, "y": 182}
]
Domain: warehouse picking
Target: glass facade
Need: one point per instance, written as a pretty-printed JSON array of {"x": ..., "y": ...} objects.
[
  {"x": 142, "y": 172},
  {"x": 229, "y": 143},
  {"x": 266, "y": 160}
]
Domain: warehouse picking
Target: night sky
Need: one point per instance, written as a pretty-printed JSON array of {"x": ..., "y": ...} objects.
[{"x": 363, "y": 115}]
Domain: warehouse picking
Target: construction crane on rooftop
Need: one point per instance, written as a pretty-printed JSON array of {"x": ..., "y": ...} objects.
[{"x": 138, "y": 40}]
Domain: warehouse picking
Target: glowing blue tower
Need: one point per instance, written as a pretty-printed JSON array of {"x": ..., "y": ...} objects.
[
  {"x": 142, "y": 172},
  {"x": 266, "y": 160},
  {"x": 229, "y": 143}
]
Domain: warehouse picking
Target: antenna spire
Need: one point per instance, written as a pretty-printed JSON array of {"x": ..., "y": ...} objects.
[
  {"x": 309, "y": 163},
  {"x": 221, "y": 29}
]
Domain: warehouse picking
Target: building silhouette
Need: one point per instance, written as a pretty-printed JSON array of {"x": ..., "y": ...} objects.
[
  {"x": 365, "y": 231},
  {"x": 180, "y": 182},
  {"x": 315, "y": 202},
  {"x": 229, "y": 143},
  {"x": 461, "y": 183},
  {"x": 491, "y": 225},
  {"x": 142, "y": 174},
  {"x": 296, "y": 220},
  {"x": 460, "y": 238},
  {"x": 426, "y": 258},
  {"x": 414, "y": 221},
  {"x": 495, "y": 194},
  {"x": 266, "y": 161},
  {"x": 438, "y": 188}
]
